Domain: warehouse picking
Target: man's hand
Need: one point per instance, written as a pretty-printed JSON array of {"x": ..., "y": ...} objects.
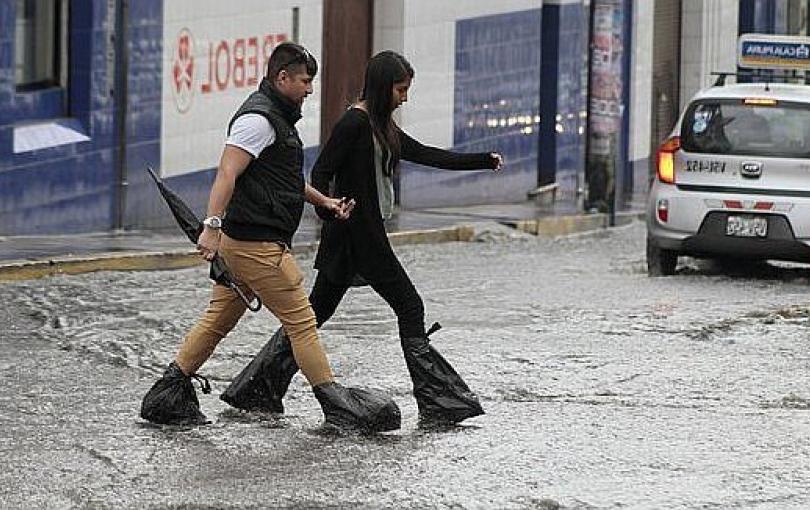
[
  {"x": 208, "y": 243},
  {"x": 340, "y": 207},
  {"x": 233, "y": 163}
]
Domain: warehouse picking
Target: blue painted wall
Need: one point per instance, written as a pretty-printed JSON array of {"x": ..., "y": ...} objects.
[
  {"x": 497, "y": 78},
  {"x": 564, "y": 82},
  {"x": 6, "y": 92},
  {"x": 143, "y": 206},
  {"x": 68, "y": 188}
]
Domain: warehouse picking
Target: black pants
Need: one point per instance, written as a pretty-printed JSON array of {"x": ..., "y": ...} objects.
[{"x": 398, "y": 292}]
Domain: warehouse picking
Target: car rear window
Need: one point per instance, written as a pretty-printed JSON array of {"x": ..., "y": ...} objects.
[{"x": 732, "y": 127}]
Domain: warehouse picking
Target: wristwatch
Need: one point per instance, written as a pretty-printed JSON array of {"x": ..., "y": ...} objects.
[{"x": 214, "y": 222}]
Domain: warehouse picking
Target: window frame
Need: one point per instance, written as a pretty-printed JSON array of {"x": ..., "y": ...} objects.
[{"x": 48, "y": 99}]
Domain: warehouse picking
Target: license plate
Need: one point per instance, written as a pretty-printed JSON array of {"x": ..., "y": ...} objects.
[{"x": 747, "y": 226}]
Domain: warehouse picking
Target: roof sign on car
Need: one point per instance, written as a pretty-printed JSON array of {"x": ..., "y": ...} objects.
[{"x": 763, "y": 51}]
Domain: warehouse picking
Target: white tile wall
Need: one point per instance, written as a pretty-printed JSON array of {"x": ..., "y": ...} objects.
[
  {"x": 389, "y": 33},
  {"x": 193, "y": 140},
  {"x": 641, "y": 80},
  {"x": 709, "y": 42}
]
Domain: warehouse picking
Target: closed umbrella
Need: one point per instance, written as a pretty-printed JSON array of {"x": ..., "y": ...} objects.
[{"x": 192, "y": 226}]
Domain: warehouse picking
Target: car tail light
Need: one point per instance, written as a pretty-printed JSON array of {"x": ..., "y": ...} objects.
[
  {"x": 665, "y": 160},
  {"x": 663, "y": 210}
]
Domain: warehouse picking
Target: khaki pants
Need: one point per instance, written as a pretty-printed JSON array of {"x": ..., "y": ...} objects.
[{"x": 269, "y": 270}]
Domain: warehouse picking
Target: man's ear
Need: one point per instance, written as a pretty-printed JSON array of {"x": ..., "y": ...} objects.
[{"x": 282, "y": 76}]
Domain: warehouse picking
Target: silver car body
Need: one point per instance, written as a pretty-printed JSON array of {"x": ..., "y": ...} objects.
[{"x": 716, "y": 194}]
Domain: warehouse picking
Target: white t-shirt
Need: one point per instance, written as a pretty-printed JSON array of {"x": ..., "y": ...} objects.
[{"x": 252, "y": 133}]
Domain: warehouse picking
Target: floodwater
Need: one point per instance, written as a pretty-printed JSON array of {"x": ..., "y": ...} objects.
[{"x": 603, "y": 388}]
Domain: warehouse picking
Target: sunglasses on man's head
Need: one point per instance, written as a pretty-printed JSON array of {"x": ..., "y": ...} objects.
[{"x": 302, "y": 57}]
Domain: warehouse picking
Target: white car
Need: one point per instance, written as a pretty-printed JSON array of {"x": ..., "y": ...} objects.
[{"x": 733, "y": 178}]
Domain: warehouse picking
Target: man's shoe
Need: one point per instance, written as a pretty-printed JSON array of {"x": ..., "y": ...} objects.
[
  {"x": 173, "y": 401},
  {"x": 355, "y": 409}
]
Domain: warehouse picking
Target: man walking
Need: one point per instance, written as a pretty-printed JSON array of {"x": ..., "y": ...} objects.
[{"x": 254, "y": 208}]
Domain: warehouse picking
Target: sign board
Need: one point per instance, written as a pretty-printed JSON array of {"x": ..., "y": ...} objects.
[
  {"x": 214, "y": 56},
  {"x": 761, "y": 51}
]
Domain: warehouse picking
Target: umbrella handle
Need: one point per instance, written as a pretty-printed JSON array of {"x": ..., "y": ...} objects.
[{"x": 252, "y": 307}]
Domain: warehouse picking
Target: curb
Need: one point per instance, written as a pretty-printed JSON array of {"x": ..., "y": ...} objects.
[
  {"x": 460, "y": 233},
  {"x": 120, "y": 261},
  {"x": 177, "y": 259},
  {"x": 564, "y": 225}
]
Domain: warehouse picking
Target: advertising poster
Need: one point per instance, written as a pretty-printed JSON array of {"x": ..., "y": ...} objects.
[{"x": 605, "y": 102}]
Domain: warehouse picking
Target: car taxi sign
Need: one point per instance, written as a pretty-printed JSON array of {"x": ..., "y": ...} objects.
[{"x": 762, "y": 51}]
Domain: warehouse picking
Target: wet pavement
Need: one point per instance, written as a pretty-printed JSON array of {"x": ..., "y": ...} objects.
[{"x": 603, "y": 388}]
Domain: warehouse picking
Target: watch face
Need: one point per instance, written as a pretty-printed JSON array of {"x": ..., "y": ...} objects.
[{"x": 213, "y": 222}]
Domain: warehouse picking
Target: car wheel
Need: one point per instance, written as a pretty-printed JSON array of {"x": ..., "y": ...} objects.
[{"x": 660, "y": 262}]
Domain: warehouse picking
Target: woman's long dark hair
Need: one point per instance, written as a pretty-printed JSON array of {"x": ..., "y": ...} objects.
[{"x": 384, "y": 70}]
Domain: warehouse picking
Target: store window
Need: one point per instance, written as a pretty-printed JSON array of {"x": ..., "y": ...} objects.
[
  {"x": 41, "y": 106},
  {"x": 40, "y": 44}
]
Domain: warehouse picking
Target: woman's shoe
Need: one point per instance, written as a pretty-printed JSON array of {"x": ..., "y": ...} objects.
[
  {"x": 261, "y": 385},
  {"x": 441, "y": 394}
]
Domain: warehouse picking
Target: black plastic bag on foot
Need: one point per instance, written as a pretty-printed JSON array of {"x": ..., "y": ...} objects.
[
  {"x": 261, "y": 385},
  {"x": 357, "y": 409},
  {"x": 441, "y": 394},
  {"x": 173, "y": 401}
]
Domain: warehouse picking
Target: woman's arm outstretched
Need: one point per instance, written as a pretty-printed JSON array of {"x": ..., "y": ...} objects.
[{"x": 414, "y": 151}]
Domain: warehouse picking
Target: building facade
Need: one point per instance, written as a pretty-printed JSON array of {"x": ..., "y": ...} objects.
[{"x": 93, "y": 91}]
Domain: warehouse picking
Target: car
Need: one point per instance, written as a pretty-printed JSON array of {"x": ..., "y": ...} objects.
[{"x": 732, "y": 180}]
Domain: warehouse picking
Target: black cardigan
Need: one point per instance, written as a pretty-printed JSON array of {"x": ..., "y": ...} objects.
[{"x": 359, "y": 245}]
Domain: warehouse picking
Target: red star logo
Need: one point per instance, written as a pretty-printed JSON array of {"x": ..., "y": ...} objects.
[{"x": 183, "y": 63}]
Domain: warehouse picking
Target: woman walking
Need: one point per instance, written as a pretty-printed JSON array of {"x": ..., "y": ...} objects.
[{"x": 359, "y": 161}]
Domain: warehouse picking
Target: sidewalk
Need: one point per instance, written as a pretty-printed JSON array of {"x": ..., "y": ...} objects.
[{"x": 27, "y": 257}]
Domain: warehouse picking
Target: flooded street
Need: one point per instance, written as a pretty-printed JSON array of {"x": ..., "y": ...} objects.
[{"x": 603, "y": 388}]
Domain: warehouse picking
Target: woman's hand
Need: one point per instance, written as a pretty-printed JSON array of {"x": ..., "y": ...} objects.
[
  {"x": 208, "y": 243},
  {"x": 340, "y": 207},
  {"x": 496, "y": 156}
]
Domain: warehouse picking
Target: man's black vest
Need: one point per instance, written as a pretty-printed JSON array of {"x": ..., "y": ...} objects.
[{"x": 268, "y": 198}]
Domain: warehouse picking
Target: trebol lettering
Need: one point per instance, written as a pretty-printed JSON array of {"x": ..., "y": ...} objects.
[
  {"x": 238, "y": 63},
  {"x": 235, "y": 63}
]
